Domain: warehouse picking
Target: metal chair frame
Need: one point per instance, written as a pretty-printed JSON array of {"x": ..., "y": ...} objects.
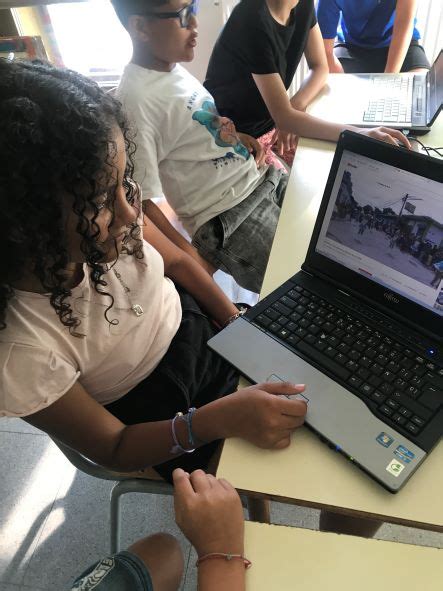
[{"x": 125, "y": 483}]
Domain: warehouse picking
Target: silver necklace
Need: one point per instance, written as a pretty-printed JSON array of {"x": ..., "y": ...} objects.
[{"x": 136, "y": 308}]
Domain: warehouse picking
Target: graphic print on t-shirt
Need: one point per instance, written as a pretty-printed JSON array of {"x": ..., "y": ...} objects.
[{"x": 222, "y": 129}]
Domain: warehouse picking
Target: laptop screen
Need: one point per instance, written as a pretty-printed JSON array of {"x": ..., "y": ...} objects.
[
  {"x": 435, "y": 80},
  {"x": 386, "y": 224}
]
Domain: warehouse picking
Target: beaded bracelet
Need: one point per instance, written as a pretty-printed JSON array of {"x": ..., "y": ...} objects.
[
  {"x": 235, "y": 316},
  {"x": 177, "y": 447},
  {"x": 223, "y": 556}
]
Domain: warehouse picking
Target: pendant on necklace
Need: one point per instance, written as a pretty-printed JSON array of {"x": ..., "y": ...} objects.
[{"x": 137, "y": 309}]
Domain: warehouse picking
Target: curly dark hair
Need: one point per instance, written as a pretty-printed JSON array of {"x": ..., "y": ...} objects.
[{"x": 57, "y": 137}]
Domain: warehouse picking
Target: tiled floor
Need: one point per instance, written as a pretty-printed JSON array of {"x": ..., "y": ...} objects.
[{"x": 54, "y": 520}]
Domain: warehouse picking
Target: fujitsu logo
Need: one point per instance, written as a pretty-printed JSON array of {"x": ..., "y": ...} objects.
[{"x": 391, "y": 297}]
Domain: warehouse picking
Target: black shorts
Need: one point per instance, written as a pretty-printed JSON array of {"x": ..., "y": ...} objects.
[
  {"x": 363, "y": 60},
  {"x": 190, "y": 374}
]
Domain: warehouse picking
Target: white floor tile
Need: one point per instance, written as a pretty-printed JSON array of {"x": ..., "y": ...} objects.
[
  {"x": 13, "y": 425},
  {"x": 76, "y": 533},
  {"x": 32, "y": 469},
  {"x": 191, "y": 578},
  {"x": 9, "y": 587},
  {"x": 297, "y": 516},
  {"x": 410, "y": 535}
]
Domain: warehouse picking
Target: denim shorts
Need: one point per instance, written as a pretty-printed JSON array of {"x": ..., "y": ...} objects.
[
  {"x": 239, "y": 240},
  {"x": 120, "y": 572}
]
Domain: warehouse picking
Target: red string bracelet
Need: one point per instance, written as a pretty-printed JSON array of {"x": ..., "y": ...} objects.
[{"x": 223, "y": 556}]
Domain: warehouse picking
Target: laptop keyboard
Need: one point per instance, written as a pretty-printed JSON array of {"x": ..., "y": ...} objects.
[
  {"x": 391, "y": 100},
  {"x": 403, "y": 388}
]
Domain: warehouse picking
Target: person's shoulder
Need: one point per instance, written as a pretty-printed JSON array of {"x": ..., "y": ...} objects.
[
  {"x": 250, "y": 14},
  {"x": 306, "y": 8}
]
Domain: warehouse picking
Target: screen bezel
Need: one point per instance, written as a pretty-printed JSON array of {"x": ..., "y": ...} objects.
[
  {"x": 431, "y": 116},
  {"x": 351, "y": 281}
]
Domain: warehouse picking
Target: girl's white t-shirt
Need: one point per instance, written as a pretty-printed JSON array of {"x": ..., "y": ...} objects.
[{"x": 40, "y": 360}]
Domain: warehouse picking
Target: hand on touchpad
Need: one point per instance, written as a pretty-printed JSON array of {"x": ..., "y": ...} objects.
[{"x": 275, "y": 378}]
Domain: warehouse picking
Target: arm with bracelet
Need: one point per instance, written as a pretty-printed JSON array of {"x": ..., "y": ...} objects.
[{"x": 209, "y": 513}]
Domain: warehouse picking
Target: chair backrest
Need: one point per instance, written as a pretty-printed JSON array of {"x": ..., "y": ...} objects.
[{"x": 83, "y": 464}]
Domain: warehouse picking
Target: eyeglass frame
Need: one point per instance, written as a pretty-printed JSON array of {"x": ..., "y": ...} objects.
[{"x": 182, "y": 16}]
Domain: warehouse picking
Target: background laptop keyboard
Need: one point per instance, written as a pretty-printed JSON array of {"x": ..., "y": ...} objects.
[
  {"x": 391, "y": 100},
  {"x": 398, "y": 384}
]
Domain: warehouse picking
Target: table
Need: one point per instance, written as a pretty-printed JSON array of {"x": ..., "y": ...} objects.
[
  {"x": 308, "y": 472},
  {"x": 288, "y": 558}
]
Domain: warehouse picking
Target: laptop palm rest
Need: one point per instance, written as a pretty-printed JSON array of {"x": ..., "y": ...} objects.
[{"x": 333, "y": 412}]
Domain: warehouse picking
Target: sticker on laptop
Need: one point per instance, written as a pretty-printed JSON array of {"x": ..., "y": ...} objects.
[
  {"x": 384, "y": 439},
  {"x": 405, "y": 451},
  {"x": 404, "y": 454},
  {"x": 395, "y": 468}
]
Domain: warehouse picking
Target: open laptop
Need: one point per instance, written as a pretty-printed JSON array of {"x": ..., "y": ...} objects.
[
  {"x": 404, "y": 101},
  {"x": 362, "y": 323}
]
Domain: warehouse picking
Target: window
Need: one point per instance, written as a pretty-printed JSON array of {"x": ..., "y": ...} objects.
[{"x": 91, "y": 39}]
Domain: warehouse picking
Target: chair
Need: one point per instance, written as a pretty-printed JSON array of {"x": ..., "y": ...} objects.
[{"x": 143, "y": 481}]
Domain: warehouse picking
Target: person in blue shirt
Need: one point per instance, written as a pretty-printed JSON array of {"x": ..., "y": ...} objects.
[{"x": 371, "y": 36}]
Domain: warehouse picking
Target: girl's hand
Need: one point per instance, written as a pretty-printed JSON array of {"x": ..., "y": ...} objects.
[
  {"x": 209, "y": 512},
  {"x": 283, "y": 141},
  {"x": 263, "y": 415},
  {"x": 254, "y": 147},
  {"x": 388, "y": 135}
]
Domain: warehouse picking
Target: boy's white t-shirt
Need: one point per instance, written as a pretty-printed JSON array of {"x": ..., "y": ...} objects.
[
  {"x": 40, "y": 360},
  {"x": 185, "y": 150}
]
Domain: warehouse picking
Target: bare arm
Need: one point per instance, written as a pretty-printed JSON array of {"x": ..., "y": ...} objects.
[
  {"x": 288, "y": 119},
  {"x": 318, "y": 71},
  {"x": 155, "y": 214},
  {"x": 328, "y": 15},
  {"x": 209, "y": 513},
  {"x": 80, "y": 422},
  {"x": 402, "y": 34},
  {"x": 334, "y": 64},
  {"x": 183, "y": 269}
]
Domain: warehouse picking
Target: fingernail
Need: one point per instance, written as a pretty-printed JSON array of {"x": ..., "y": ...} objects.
[{"x": 299, "y": 385}]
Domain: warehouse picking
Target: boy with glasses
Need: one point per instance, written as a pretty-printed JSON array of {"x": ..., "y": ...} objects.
[{"x": 225, "y": 199}]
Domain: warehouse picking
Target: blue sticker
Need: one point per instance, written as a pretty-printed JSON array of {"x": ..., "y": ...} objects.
[
  {"x": 403, "y": 458},
  {"x": 405, "y": 451},
  {"x": 384, "y": 439}
]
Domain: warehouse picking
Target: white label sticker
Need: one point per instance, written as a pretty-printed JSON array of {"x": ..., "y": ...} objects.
[{"x": 395, "y": 467}]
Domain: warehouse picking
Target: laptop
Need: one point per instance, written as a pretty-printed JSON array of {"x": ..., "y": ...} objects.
[
  {"x": 361, "y": 324},
  {"x": 404, "y": 101}
]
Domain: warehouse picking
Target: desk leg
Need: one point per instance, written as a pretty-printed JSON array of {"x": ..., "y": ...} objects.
[
  {"x": 259, "y": 510},
  {"x": 345, "y": 524}
]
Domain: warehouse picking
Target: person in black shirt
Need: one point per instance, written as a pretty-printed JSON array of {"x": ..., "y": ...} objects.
[{"x": 253, "y": 64}]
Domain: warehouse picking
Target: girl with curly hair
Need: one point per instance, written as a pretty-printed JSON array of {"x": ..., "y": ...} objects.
[{"x": 104, "y": 320}]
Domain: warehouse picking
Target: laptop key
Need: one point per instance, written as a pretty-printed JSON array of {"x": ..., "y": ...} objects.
[
  {"x": 274, "y": 328},
  {"x": 399, "y": 419},
  {"x": 311, "y": 339},
  {"x": 272, "y": 314},
  {"x": 293, "y": 340},
  {"x": 418, "y": 421},
  {"x": 281, "y": 308},
  {"x": 355, "y": 381},
  {"x": 405, "y": 412},
  {"x": 283, "y": 333},
  {"x": 386, "y": 388},
  {"x": 366, "y": 389},
  {"x": 262, "y": 320},
  {"x": 413, "y": 428},
  {"x": 323, "y": 360},
  {"x": 386, "y": 410},
  {"x": 378, "y": 397}
]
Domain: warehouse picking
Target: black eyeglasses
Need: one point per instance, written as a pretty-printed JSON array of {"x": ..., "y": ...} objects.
[{"x": 184, "y": 14}]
